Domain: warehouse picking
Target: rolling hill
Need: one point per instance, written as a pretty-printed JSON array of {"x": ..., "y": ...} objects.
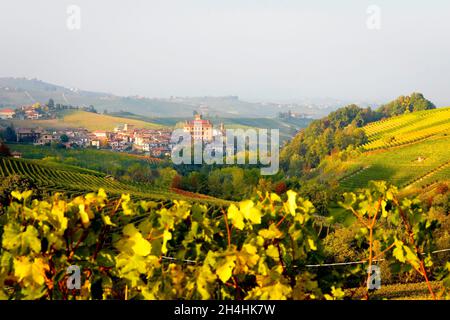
[
  {"x": 88, "y": 120},
  {"x": 412, "y": 151}
]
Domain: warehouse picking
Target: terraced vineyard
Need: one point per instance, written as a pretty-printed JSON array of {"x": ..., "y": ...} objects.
[
  {"x": 412, "y": 150},
  {"x": 74, "y": 181},
  {"x": 404, "y": 165},
  {"x": 408, "y": 128},
  {"x": 97, "y": 160},
  {"x": 441, "y": 174}
]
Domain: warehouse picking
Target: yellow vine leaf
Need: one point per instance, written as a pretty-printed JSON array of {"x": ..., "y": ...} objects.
[
  {"x": 134, "y": 243},
  {"x": 236, "y": 217},
  {"x": 31, "y": 272},
  {"x": 166, "y": 237},
  {"x": 292, "y": 203},
  {"x": 83, "y": 215},
  {"x": 272, "y": 233},
  {"x": 249, "y": 211},
  {"x": 272, "y": 252},
  {"x": 225, "y": 269},
  {"x": 312, "y": 245}
]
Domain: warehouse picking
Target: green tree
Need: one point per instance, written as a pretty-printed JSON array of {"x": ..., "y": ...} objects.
[
  {"x": 51, "y": 104},
  {"x": 64, "y": 138},
  {"x": 10, "y": 134},
  {"x": 166, "y": 177},
  {"x": 4, "y": 150},
  {"x": 415, "y": 102}
]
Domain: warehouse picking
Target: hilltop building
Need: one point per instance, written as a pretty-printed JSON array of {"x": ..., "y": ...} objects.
[{"x": 199, "y": 128}]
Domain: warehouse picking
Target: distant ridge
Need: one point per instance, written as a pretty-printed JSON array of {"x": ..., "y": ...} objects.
[{"x": 15, "y": 92}]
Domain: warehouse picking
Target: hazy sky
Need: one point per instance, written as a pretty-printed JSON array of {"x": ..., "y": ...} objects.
[{"x": 257, "y": 49}]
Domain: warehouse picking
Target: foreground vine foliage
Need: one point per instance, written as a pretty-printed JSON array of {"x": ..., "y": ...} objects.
[
  {"x": 128, "y": 250},
  {"x": 125, "y": 249},
  {"x": 392, "y": 229}
]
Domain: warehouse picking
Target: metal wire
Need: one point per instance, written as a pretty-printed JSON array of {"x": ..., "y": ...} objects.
[{"x": 311, "y": 265}]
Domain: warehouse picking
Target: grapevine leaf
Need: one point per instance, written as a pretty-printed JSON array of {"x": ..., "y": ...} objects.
[
  {"x": 236, "y": 217},
  {"x": 349, "y": 200},
  {"x": 272, "y": 252},
  {"x": 398, "y": 251},
  {"x": 272, "y": 233},
  {"x": 292, "y": 203},
  {"x": 274, "y": 197},
  {"x": 31, "y": 272},
  {"x": 134, "y": 243},
  {"x": 17, "y": 195},
  {"x": 225, "y": 269},
  {"x": 312, "y": 245},
  {"x": 166, "y": 237},
  {"x": 250, "y": 212},
  {"x": 14, "y": 239},
  {"x": 107, "y": 220},
  {"x": 83, "y": 215}
]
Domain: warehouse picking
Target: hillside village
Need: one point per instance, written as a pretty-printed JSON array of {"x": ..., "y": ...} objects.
[
  {"x": 154, "y": 142},
  {"x": 38, "y": 111},
  {"x": 123, "y": 138}
]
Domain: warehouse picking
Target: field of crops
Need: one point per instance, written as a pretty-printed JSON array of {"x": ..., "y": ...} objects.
[
  {"x": 408, "y": 128},
  {"x": 98, "y": 160},
  {"x": 74, "y": 181}
]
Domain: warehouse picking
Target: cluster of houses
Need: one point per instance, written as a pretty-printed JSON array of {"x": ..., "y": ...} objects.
[
  {"x": 29, "y": 112},
  {"x": 39, "y": 136},
  {"x": 154, "y": 142},
  {"x": 125, "y": 138},
  {"x": 33, "y": 112}
]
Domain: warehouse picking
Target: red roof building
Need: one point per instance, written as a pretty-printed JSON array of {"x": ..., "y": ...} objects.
[
  {"x": 199, "y": 128},
  {"x": 7, "y": 113}
]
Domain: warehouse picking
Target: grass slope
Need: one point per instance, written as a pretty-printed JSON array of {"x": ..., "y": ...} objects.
[{"x": 83, "y": 119}]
